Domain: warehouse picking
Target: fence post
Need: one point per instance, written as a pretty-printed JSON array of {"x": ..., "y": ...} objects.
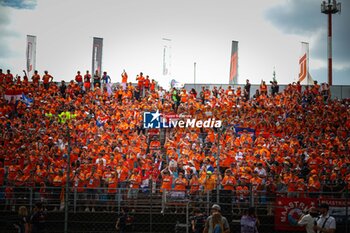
[
  {"x": 75, "y": 201},
  {"x": 150, "y": 214},
  {"x": 187, "y": 217},
  {"x": 346, "y": 210},
  {"x": 251, "y": 196},
  {"x": 208, "y": 204},
  {"x": 31, "y": 199},
  {"x": 119, "y": 199}
]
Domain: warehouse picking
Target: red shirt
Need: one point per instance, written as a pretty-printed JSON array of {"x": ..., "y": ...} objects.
[{"x": 78, "y": 78}]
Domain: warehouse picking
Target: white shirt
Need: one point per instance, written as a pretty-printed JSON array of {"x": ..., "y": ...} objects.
[
  {"x": 308, "y": 222},
  {"x": 330, "y": 223},
  {"x": 103, "y": 159}
]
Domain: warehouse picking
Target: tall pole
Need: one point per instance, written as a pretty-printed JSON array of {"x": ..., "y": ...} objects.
[
  {"x": 218, "y": 168},
  {"x": 194, "y": 73},
  {"x": 329, "y": 49},
  {"x": 329, "y": 8},
  {"x": 66, "y": 200}
]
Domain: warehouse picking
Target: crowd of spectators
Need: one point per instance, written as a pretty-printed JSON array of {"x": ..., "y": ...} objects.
[{"x": 292, "y": 143}]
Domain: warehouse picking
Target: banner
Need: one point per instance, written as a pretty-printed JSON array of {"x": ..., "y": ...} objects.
[
  {"x": 304, "y": 74},
  {"x": 166, "y": 57},
  {"x": 31, "y": 55},
  {"x": 289, "y": 210},
  {"x": 234, "y": 63},
  {"x": 97, "y": 55}
]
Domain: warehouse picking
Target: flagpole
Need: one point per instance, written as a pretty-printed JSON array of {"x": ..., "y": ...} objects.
[{"x": 194, "y": 73}]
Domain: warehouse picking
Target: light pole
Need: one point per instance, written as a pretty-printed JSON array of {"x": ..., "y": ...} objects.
[{"x": 330, "y": 8}]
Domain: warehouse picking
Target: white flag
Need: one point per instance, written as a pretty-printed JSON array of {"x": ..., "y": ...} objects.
[{"x": 31, "y": 55}]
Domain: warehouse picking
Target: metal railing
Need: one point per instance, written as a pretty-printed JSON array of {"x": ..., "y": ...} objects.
[{"x": 155, "y": 211}]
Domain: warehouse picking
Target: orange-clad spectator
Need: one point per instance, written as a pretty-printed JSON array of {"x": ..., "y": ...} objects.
[
  {"x": 135, "y": 180},
  {"x": 147, "y": 83},
  {"x": 194, "y": 186},
  {"x": 242, "y": 192},
  {"x": 301, "y": 188},
  {"x": 112, "y": 184},
  {"x": 209, "y": 182},
  {"x": 153, "y": 85},
  {"x": 263, "y": 88},
  {"x": 79, "y": 183},
  {"x": 229, "y": 181},
  {"x": 87, "y": 81},
  {"x": 124, "y": 80},
  {"x": 47, "y": 78},
  {"x": 181, "y": 183},
  {"x": 134, "y": 184},
  {"x": 167, "y": 180},
  {"x": 93, "y": 183},
  {"x": 314, "y": 186},
  {"x": 40, "y": 175},
  {"x": 9, "y": 77},
  {"x": 36, "y": 78},
  {"x": 58, "y": 183},
  {"x": 2, "y": 77},
  {"x": 140, "y": 82},
  {"x": 79, "y": 79}
]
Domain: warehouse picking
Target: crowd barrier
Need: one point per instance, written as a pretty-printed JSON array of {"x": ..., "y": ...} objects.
[{"x": 171, "y": 211}]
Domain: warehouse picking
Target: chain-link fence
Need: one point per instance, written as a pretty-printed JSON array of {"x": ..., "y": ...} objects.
[{"x": 166, "y": 211}]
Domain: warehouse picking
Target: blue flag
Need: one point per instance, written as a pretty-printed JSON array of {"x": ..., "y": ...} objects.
[{"x": 28, "y": 101}]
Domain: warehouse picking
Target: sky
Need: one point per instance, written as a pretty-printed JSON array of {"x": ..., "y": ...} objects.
[{"x": 269, "y": 32}]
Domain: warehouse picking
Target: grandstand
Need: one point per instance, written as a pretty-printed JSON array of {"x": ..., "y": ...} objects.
[{"x": 85, "y": 153}]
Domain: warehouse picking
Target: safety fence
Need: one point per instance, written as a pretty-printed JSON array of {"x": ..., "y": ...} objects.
[{"x": 167, "y": 211}]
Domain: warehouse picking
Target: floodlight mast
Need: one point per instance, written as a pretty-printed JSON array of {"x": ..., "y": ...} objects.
[{"x": 330, "y": 8}]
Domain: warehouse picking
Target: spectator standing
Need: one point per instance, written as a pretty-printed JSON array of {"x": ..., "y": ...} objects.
[
  {"x": 107, "y": 80},
  {"x": 247, "y": 90},
  {"x": 63, "y": 89},
  {"x": 249, "y": 222},
  {"x": 147, "y": 83},
  {"x": 263, "y": 88},
  {"x": 22, "y": 224},
  {"x": 216, "y": 218},
  {"x": 87, "y": 81},
  {"x": 140, "y": 83},
  {"x": 124, "y": 79},
  {"x": 38, "y": 219},
  {"x": 2, "y": 77},
  {"x": 36, "y": 78},
  {"x": 79, "y": 79},
  {"x": 325, "y": 223},
  {"x": 97, "y": 79},
  {"x": 8, "y": 77},
  {"x": 198, "y": 221},
  {"x": 122, "y": 220},
  {"x": 308, "y": 220},
  {"x": 47, "y": 78},
  {"x": 274, "y": 88}
]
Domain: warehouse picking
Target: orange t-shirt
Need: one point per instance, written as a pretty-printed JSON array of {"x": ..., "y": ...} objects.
[{"x": 167, "y": 182}]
